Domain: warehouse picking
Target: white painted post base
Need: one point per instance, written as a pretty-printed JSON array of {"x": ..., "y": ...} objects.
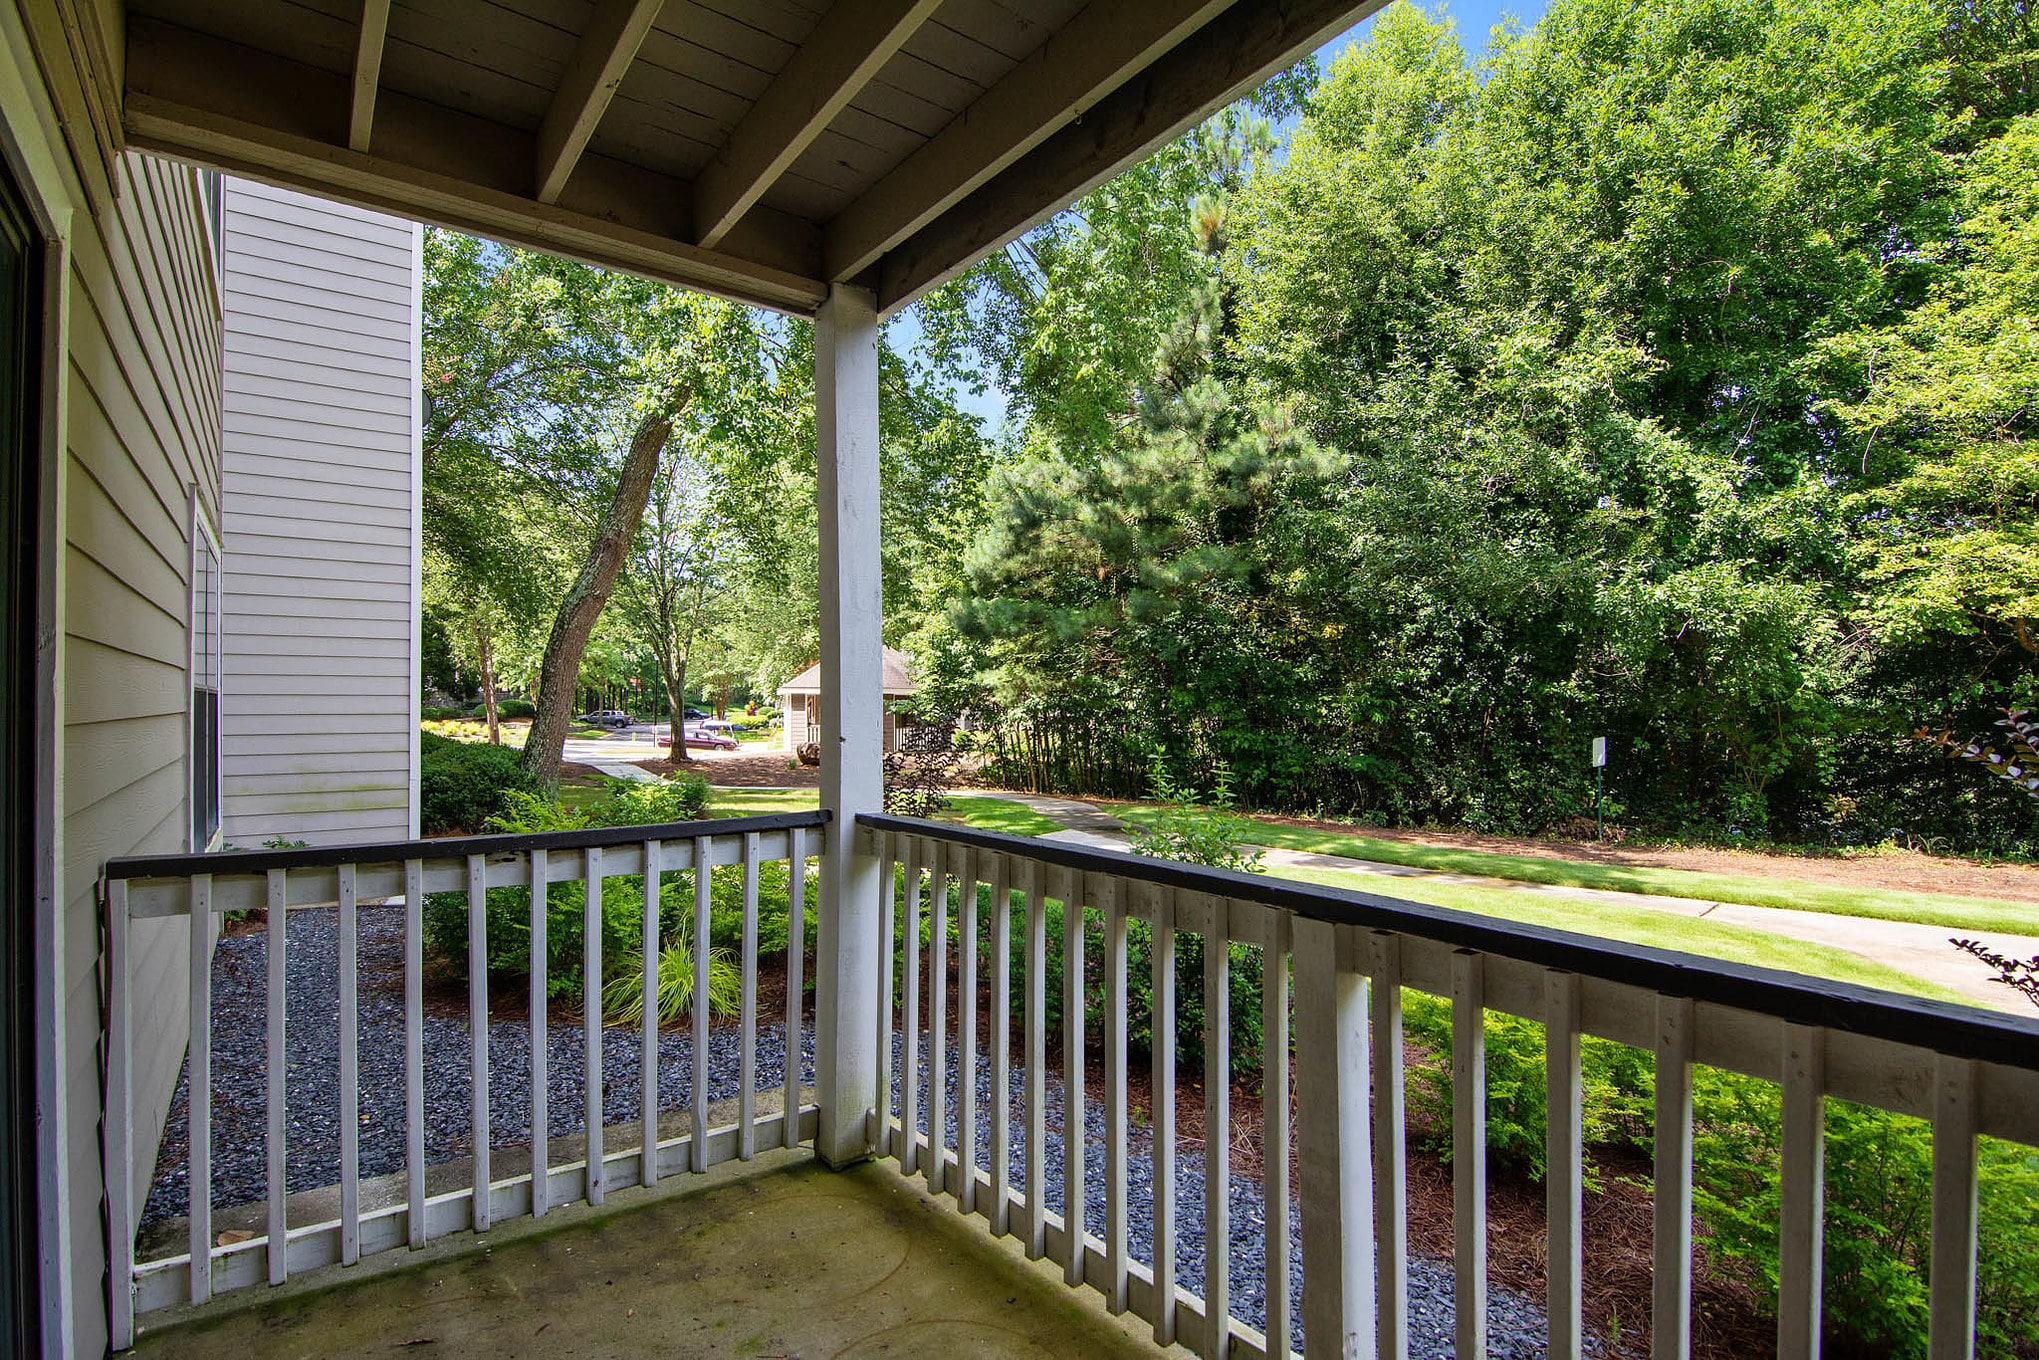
[{"x": 852, "y": 723}]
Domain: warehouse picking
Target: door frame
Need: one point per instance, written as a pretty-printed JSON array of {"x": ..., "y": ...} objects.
[{"x": 35, "y": 159}]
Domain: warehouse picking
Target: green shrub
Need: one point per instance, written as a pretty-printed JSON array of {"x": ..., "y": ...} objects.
[
  {"x": 623, "y": 991},
  {"x": 1244, "y": 977},
  {"x": 635, "y": 802},
  {"x": 1617, "y": 1084},
  {"x": 507, "y": 910},
  {"x": 1878, "y": 1180},
  {"x": 1179, "y": 829},
  {"x": 1879, "y": 1169},
  {"x": 516, "y": 708},
  {"x": 462, "y": 785}
]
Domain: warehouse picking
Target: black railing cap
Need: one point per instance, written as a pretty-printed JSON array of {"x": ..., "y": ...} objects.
[
  {"x": 1959, "y": 1031},
  {"x": 447, "y": 847}
]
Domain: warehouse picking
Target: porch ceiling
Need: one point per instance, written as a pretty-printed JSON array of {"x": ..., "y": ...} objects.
[{"x": 762, "y": 149}]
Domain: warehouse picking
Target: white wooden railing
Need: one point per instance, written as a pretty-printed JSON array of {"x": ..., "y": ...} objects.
[
  {"x": 1969, "y": 1072},
  {"x": 287, "y": 882}
]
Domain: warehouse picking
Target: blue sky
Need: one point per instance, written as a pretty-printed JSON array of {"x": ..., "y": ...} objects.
[{"x": 1476, "y": 18}]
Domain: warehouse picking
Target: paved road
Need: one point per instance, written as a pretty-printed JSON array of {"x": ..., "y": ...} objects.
[{"x": 1922, "y": 951}]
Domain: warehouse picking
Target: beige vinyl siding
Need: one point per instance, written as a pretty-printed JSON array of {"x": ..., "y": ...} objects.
[
  {"x": 319, "y": 714},
  {"x": 142, "y": 423}
]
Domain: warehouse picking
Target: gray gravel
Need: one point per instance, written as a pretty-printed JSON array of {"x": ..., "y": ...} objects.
[
  {"x": 1515, "y": 1322},
  {"x": 240, "y": 1157},
  {"x": 312, "y": 1051}
]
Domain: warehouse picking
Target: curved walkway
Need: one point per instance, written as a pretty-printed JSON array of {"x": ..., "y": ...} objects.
[{"x": 1922, "y": 951}]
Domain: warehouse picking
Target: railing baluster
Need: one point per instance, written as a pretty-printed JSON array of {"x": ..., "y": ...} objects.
[
  {"x": 1274, "y": 1129},
  {"x": 1801, "y": 1185},
  {"x": 704, "y": 874},
  {"x": 198, "y": 1087},
  {"x": 1671, "y": 1232},
  {"x": 1218, "y": 1132},
  {"x": 966, "y": 1030},
  {"x": 1161, "y": 1025},
  {"x": 796, "y": 947},
  {"x": 747, "y": 1020},
  {"x": 278, "y": 890},
  {"x": 888, "y": 935},
  {"x": 1001, "y": 1045},
  {"x": 414, "y": 1048},
  {"x": 1469, "y": 1151},
  {"x": 1115, "y": 1114},
  {"x": 909, "y": 1029},
  {"x": 1391, "y": 1185},
  {"x": 591, "y": 1020},
  {"x": 1036, "y": 1046},
  {"x": 1334, "y": 1151},
  {"x": 541, "y": 1127},
  {"x": 350, "y": 1071},
  {"x": 1564, "y": 1185},
  {"x": 1956, "y": 1110},
  {"x": 1075, "y": 1188},
  {"x": 648, "y": 1046},
  {"x": 117, "y": 1137},
  {"x": 478, "y": 1030},
  {"x": 938, "y": 1019}
]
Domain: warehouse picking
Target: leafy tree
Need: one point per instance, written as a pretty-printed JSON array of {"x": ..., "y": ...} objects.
[
  {"x": 672, "y": 570},
  {"x": 1945, "y": 422},
  {"x": 1171, "y": 572}
]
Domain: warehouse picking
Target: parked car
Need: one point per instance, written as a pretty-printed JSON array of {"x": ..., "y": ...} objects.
[
  {"x": 700, "y": 740},
  {"x": 608, "y": 717},
  {"x": 721, "y": 725}
]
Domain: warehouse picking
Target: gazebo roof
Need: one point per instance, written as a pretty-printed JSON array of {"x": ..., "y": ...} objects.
[
  {"x": 898, "y": 676},
  {"x": 761, "y": 149}
]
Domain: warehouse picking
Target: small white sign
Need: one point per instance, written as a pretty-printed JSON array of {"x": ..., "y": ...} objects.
[{"x": 1599, "y": 751}]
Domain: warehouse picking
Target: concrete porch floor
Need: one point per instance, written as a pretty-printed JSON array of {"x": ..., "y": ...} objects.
[{"x": 777, "y": 1258}]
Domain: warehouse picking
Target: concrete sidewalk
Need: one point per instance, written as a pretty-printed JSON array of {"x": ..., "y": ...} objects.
[{"x": 1925, "y": 952}]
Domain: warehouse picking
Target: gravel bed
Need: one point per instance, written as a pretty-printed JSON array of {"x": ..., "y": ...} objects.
[
  {"x": 1516, "y": 1327},
  {"x": 240, "y": 1166},
  {"x": 1516, "y": 1323}
]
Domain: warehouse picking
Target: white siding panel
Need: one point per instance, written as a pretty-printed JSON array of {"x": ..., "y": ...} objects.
[
  {"x": 141, "y": 431},
  {"x": 319, "y": 721}
]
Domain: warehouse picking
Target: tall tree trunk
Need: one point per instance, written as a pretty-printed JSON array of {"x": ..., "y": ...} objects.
[
  {"x": 559, "y": 672},
  {"x": 673, "y": 669},
  {"x": 488, "y": 683}
]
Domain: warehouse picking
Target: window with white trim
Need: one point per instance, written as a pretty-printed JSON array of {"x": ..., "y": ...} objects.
[{"x": 205, "y": 680}]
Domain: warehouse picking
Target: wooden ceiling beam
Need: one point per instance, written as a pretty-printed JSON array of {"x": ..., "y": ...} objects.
[
  {"x": 1234, "y": 55},
  {"x": 368, "y": 44},
  {"x": 615, "y": 31},
  {"x": 851, "y": 44},
  {"x": 1088, "y": 57},
  {"x": 284, "y": 122}
]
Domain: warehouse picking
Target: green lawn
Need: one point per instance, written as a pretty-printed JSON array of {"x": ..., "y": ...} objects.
[
  {"x": 1638, "y": 925},
  {"x": 1933, "y": 909},
  {"x": 988, "y": 814},
  {"x": 760, "y": 802},
  {"x": 999, "y": 814}
]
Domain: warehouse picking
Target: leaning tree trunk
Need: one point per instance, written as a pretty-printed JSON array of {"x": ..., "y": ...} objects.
[{"x": 560, "y": 671}]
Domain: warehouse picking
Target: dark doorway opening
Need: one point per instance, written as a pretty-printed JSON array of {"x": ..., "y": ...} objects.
[{"x": 21, "y": 294}]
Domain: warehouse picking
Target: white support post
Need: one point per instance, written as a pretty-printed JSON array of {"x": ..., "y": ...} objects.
[
  {"x": 1334, "y": 1147},
  {"x": 852, "y": 722}
]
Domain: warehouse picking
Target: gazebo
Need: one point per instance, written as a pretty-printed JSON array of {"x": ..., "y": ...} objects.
[{"x": 800, "y": 700}]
